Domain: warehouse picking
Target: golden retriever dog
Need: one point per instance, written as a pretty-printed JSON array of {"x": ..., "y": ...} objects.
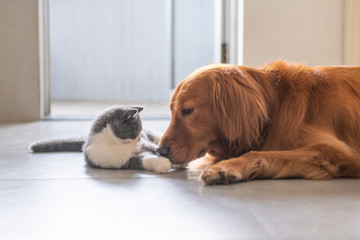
[{"x": 278, "y": 121}]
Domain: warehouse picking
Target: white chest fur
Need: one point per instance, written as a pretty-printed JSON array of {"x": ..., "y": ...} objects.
[{"x": 108, "y": 151}]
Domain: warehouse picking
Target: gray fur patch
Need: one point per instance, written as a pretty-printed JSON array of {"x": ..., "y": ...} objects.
[
  {"x": 149, "y": 147},
  {"x": 148, "y": 135},
  {"x": 134, "y": 163}
]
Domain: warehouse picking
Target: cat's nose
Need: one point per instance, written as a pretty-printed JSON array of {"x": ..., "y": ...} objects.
[{"x": 164, "y": 151}]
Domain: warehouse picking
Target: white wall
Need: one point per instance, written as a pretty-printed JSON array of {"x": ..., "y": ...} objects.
[
  {"x": 309, "y": 31},
  {"x": 19, "y": 61}
]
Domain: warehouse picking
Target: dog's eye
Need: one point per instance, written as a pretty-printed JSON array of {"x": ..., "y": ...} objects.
[{"x": 187, "y": 111}]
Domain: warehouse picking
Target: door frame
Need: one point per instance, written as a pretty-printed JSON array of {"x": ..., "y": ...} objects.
[
  {"x": 228, "y": 31},
  {"x": 44, "y": 58},
  {"x": 232, "y": 31}
]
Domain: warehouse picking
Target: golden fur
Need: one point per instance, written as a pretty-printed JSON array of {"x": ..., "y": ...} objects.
[{"x": 278, "y": 121}]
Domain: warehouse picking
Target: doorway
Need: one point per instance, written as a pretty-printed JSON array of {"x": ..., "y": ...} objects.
[{"x": 126, "y": 52}]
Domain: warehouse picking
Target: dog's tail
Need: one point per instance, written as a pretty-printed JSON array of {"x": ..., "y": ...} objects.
[{"x": 58, "y": 145}]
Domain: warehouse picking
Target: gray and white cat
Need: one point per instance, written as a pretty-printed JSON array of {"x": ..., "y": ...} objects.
[{"x": 116, "y": 141}]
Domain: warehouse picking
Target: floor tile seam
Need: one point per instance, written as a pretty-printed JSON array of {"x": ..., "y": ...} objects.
[{"x": 83, "y": 178}]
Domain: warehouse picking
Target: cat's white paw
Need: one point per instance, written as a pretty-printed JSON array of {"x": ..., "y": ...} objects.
[
  {"x": 163, "y": 166},
  {"x": 156, "y": 163}
]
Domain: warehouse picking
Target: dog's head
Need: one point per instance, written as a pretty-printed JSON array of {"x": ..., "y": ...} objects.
[{"x": 213, "y": 109}]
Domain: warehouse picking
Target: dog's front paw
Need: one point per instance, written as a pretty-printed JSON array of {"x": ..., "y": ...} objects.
[{"x": 220, "y": 175}]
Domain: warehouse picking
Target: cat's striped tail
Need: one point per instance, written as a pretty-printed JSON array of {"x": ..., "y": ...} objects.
[{"x": 58, "y": 145}]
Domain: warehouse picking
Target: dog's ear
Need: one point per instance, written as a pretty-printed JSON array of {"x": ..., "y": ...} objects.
[{"x": 239, "y": 104}]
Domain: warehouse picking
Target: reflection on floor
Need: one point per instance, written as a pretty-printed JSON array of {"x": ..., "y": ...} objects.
[{"x": 55, "y": 196}]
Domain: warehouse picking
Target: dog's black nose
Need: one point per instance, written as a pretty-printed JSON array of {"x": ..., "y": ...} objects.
[{"x": 163, "y": 151}]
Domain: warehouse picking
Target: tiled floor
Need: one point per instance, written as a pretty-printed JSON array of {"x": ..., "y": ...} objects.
[{"x": 54, "y": 196}]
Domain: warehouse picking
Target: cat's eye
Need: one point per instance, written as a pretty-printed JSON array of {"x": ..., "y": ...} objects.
[{"x": 187, "y": 111}]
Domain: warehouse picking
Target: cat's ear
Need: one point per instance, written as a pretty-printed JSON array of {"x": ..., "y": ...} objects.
[
  {"x": 139, "y": 108},
  {"x": 131, "y": 113}
]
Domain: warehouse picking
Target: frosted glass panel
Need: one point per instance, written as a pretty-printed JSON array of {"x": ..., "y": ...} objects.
[{"x": 110, "y": 50}]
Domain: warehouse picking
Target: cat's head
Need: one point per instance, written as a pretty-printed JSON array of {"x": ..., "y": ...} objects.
[{"x": 125, "y": 122}]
